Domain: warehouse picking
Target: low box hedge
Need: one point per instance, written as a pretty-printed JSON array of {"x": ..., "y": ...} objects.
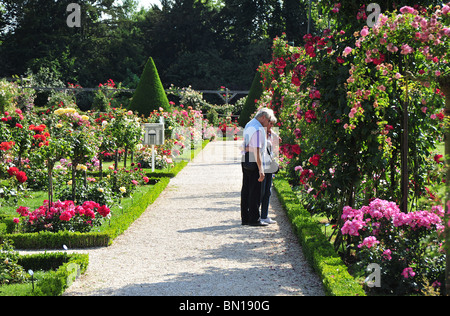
[
  {"x": 55, "y": 273},
  {"x": 65, "y": 269},
  {"x": 316, "y": 247}
]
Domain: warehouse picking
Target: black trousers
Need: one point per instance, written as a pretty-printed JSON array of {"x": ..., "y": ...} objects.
[{"x": 250, "y": 196}]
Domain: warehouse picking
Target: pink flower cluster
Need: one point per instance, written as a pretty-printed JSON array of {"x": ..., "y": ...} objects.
[
  {"x": 369, "y": 242},
  {"x": 408, "y": 272},
  {"x": 46, "y": 215},
  {"x": 379, "y": 210}
]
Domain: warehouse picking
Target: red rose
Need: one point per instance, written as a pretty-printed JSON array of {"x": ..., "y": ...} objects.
[
  {"x": 21, "y": 176},
  {"x": 315, "y": 160},
  {"x": 103, "y": 210},
  {"x": 310, "y": 115},
  {"x": 437, "y": 158},
  {"x": 6, "y": 145},
  {"x": 296, "y": 149},
  {"x": 13, "y": 171},
  {"x": 65, "y": 216}
]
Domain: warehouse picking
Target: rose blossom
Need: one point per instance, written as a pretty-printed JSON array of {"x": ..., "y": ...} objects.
[
  {"x": 407, "y": 9},
  {"x": 365, "y": 31},
  {"x": 406, "y": 49},
  {"x": 369, "y": 242},
  {"x": 347, "y": 51},
  {"x": 408, "y": 272}
]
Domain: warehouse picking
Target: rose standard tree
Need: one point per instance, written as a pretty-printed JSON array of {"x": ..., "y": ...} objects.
[{"x": 78, "y": 133}]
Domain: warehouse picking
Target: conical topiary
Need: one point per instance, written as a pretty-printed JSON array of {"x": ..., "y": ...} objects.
[
  {"x": 150, "y": 94},
  {"x": 254, "y": 94}
]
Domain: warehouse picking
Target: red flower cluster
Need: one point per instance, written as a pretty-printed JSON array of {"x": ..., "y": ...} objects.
[
  {"x": 280, "y": 64},
  {"x": 289, "y": 150},
  {"x": 40, "y": 137},
  {"x": 4, "y": 146},
  {"x": 315, "y": 160},
  {"x": 50, "y": 217},
  {"x": 38, "y": 129},
  {"x": 310, "y": 115},
  {"x": 313, "y": 43},
  {"x": 109, "y": 84},
  {"x": 306, "y": 175},
  {"x": 20, "y": 175},
  {"x": 298, "y": 73},
  {"x": 438, "y": 158}
]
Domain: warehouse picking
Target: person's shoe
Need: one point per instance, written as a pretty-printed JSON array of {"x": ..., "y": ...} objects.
[
  {"x": 258, "y": 223},
  {"x": 268, "y": 220}
]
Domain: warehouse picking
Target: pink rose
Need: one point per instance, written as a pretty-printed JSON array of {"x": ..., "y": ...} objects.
[
  {"x": 445, "y": 9},
  {"x": 365, "y": 31},
  {"x": 407, "y": 9},
  {"x": 347, "y": 51},
  {"x": 406, "y": 49},
  {"x": 408, "y": 272}
]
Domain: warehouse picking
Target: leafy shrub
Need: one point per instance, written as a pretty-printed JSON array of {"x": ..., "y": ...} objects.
[{"x": 10, "y": 271}]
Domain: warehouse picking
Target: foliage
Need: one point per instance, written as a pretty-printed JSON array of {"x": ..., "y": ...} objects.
[
  {"x": 188, "y": 97},
  {"x": 150, "y": 94},
  {"x": 13, "y": 97},
  {"x": 8, "y": 90},
  {"x": 340, "y": 101},
  {"x": 132, "y": 209},
  {"x": 63, "y": 270},
  {"x": 104, "y": 96},
  {"x": 10, "y": 271},
  {"x": 221, "y": 42}
]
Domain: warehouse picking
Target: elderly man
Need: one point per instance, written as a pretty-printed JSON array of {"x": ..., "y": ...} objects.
[{"x": 252, "y": 166}]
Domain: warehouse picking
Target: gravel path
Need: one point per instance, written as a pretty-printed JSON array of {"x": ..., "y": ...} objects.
[{"x": 190, "y": 242}]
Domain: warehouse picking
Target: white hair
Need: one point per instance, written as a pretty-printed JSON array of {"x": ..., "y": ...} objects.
[{"x": 268, "y": 113}]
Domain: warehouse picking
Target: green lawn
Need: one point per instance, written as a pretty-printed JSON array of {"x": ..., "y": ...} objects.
[
  {"x": 33, "y": 201},
  {"x": 22, "y": 289}
]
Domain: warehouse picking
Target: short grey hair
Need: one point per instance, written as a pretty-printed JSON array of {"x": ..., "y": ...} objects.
[{"x": 268, "y": 113}]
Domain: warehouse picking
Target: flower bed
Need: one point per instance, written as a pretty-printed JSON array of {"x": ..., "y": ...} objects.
[{"x": 123, "y": 216}]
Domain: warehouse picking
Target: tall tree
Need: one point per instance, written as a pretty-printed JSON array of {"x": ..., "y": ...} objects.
[{"x": 295, "y": 13}]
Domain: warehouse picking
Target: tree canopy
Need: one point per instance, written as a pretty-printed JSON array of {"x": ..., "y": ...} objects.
[{"x": 205, "y": 44}]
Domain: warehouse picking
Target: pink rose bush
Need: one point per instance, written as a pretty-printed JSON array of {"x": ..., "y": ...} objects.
[
  {"x": 65, "y": 215},
  {"x": 405, "y": 245}
]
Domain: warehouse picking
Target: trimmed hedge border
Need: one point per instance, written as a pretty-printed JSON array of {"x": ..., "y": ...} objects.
[
  {"x": 316, "y": 247},
  {"x": 68, "y": 267}
]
